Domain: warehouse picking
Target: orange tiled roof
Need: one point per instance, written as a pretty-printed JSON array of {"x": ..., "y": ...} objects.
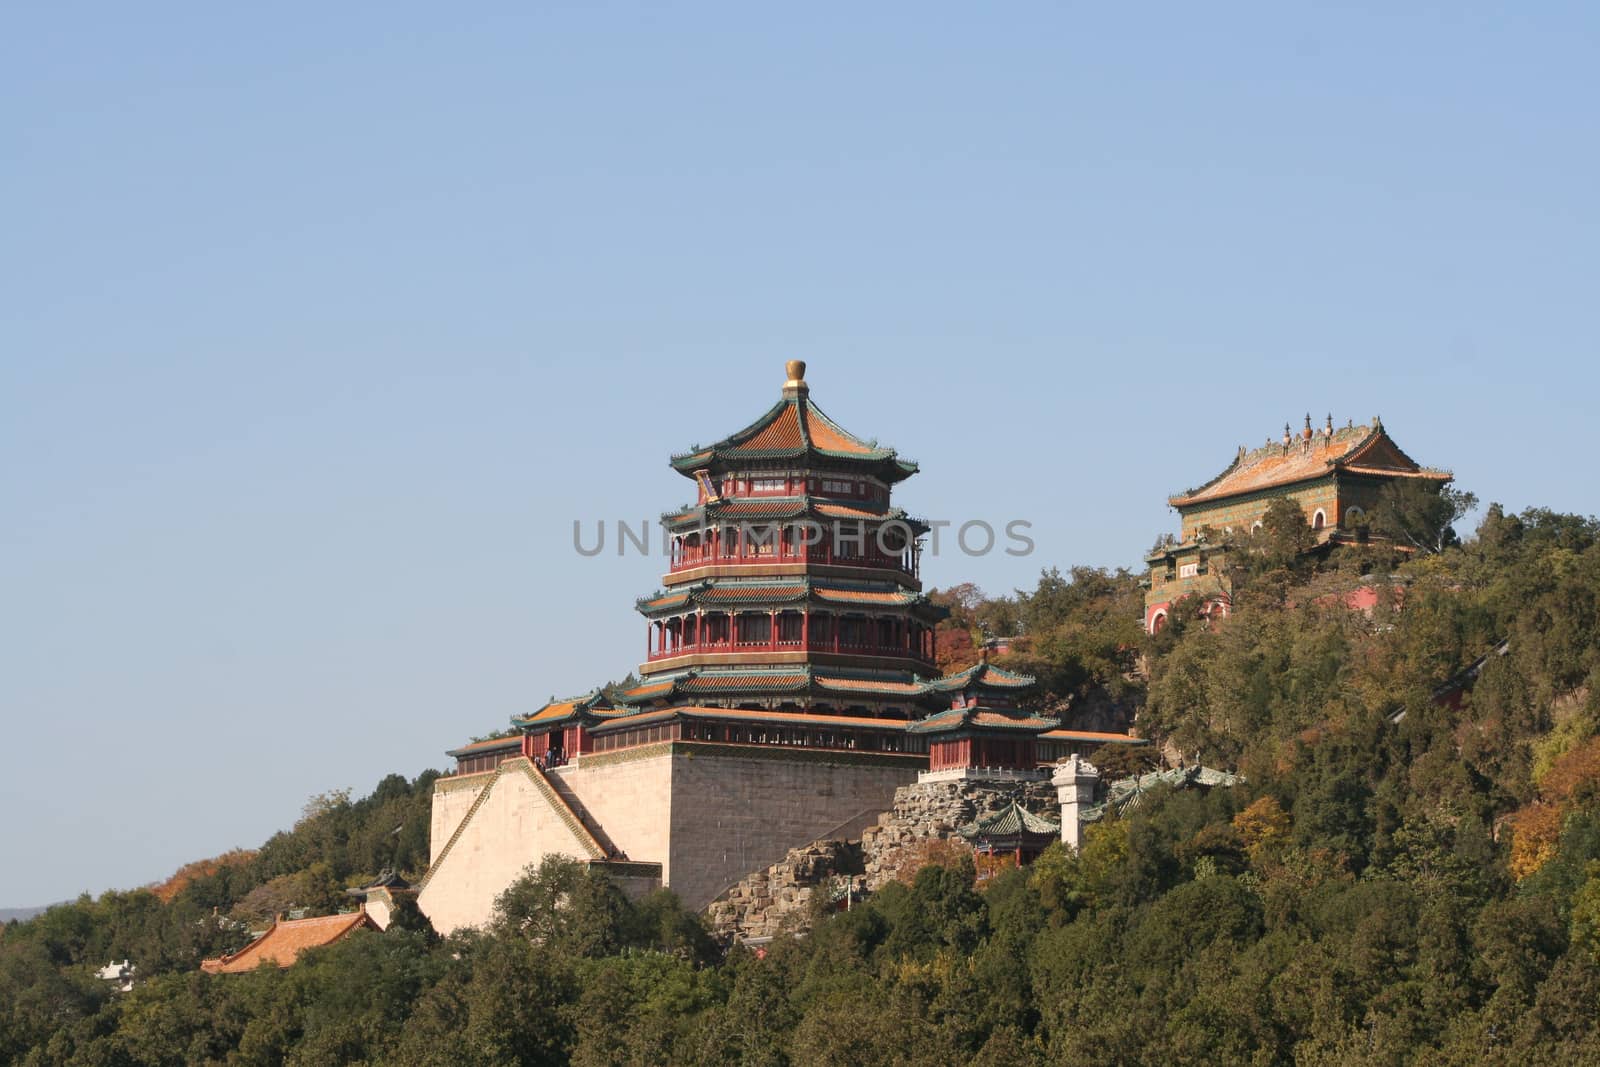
[
  {"x": 721, "y": 683},
  {"x": 1091, "y": 735},
  {"x": 553, "y": 711},
  {"x": 1364, "y": 449},
  {"x": 870, "y": 685},
  {"x": 790, "y": 428},
  {"x": 998, "y": 718},
  {"x": 864, "y": 596},
  {"x": 286, "y": 939},
  {"x": 649, "y": 689},
  {"x": 780, "y": 507},
  {"x": 830, "y": 437},
  {"x": 781, "y": 434},
  {"x": 493, "y": 742},
  {"x": 750, "y": 593}
]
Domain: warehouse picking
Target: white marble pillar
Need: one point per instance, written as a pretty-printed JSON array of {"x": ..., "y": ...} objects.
[{"x": 1074, "y": 779}]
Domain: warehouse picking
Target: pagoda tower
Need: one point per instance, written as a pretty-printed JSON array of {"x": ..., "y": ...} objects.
[{"x": 793, "y": 582}]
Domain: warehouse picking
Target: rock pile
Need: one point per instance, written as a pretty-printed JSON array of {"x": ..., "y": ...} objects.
[
  {"x": 782, "y": 899},
  {"x": 779, "y": 899},
  {"x": 934, "y": 811}
]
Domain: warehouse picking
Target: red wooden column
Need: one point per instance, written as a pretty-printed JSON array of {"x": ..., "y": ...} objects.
[
  {"x": 772, "y": 636},
  {"x": 805, "y": 628}
]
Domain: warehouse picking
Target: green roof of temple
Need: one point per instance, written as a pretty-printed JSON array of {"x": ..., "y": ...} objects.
[
  {"x": 1012, "y": 821},
  {"x": 794, "y": 429},
  {"x": 981, "y": 674},
  {"x": 1125, "y": 794}
]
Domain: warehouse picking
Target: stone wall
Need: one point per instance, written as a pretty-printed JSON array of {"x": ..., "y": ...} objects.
[
  {"x": 708, "y": 814},
  {"x": 452, "y": 797},
  {"x": 629, "y": 793},
  {"x": 738, "y": 810},
  {"x": 509, "y": 826}
]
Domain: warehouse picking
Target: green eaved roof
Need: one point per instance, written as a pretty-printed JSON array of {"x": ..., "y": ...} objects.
[
  {"x": 1125, "y": 794},
  {"x": 981, "y": 674},
  {"x": 1011, "y": 821}
]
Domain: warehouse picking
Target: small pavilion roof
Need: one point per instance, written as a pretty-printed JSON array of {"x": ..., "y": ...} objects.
[
  {"x": 285, "y": 939},
  {"x": 983, "y": 674},
  {"x": 795, "y": 429},
  {"x": 1364, "y": 449},
  {"x": 387, "y": 882},
  {"x": 1013, "y": 821}
]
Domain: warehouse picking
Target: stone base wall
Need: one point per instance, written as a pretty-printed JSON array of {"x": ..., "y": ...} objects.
[
  {"x": 708, "y": 814},
  {"x": 741, "y": 809}
]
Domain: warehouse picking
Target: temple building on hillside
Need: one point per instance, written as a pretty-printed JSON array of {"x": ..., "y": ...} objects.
[
  {"x": 286, "y": 939},
  {"x": 1336, "y": 476},
  {"x": 1012, "y": 837},
  {"x": 788, "y": 688}
]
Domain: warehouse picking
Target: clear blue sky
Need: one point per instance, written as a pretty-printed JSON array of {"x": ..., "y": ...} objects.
[{"x": 319, "y": 325}]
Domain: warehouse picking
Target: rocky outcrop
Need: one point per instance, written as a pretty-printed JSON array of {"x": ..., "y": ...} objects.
[
  {"x": 920, "y": 828},
  {"x": 933, "y": 811},
  {"x": 781, "y": 898}
]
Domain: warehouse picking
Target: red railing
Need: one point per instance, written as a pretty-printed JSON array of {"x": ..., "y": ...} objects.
[
  {"x": 690, "y": 558},
  {"x": 858, "y": 648}
]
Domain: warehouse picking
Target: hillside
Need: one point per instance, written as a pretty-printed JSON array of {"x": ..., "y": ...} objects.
[{"x": 1410, "y": 872}]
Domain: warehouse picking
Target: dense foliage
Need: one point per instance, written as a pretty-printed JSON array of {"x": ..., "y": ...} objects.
[{"x": 1409, "y": 874}]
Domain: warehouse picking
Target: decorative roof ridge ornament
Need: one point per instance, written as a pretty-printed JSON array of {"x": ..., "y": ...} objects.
[{"x": 795, "y": 386}]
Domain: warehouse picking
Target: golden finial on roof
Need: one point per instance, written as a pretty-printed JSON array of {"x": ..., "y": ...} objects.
[{"x": 796, "y": 384}]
